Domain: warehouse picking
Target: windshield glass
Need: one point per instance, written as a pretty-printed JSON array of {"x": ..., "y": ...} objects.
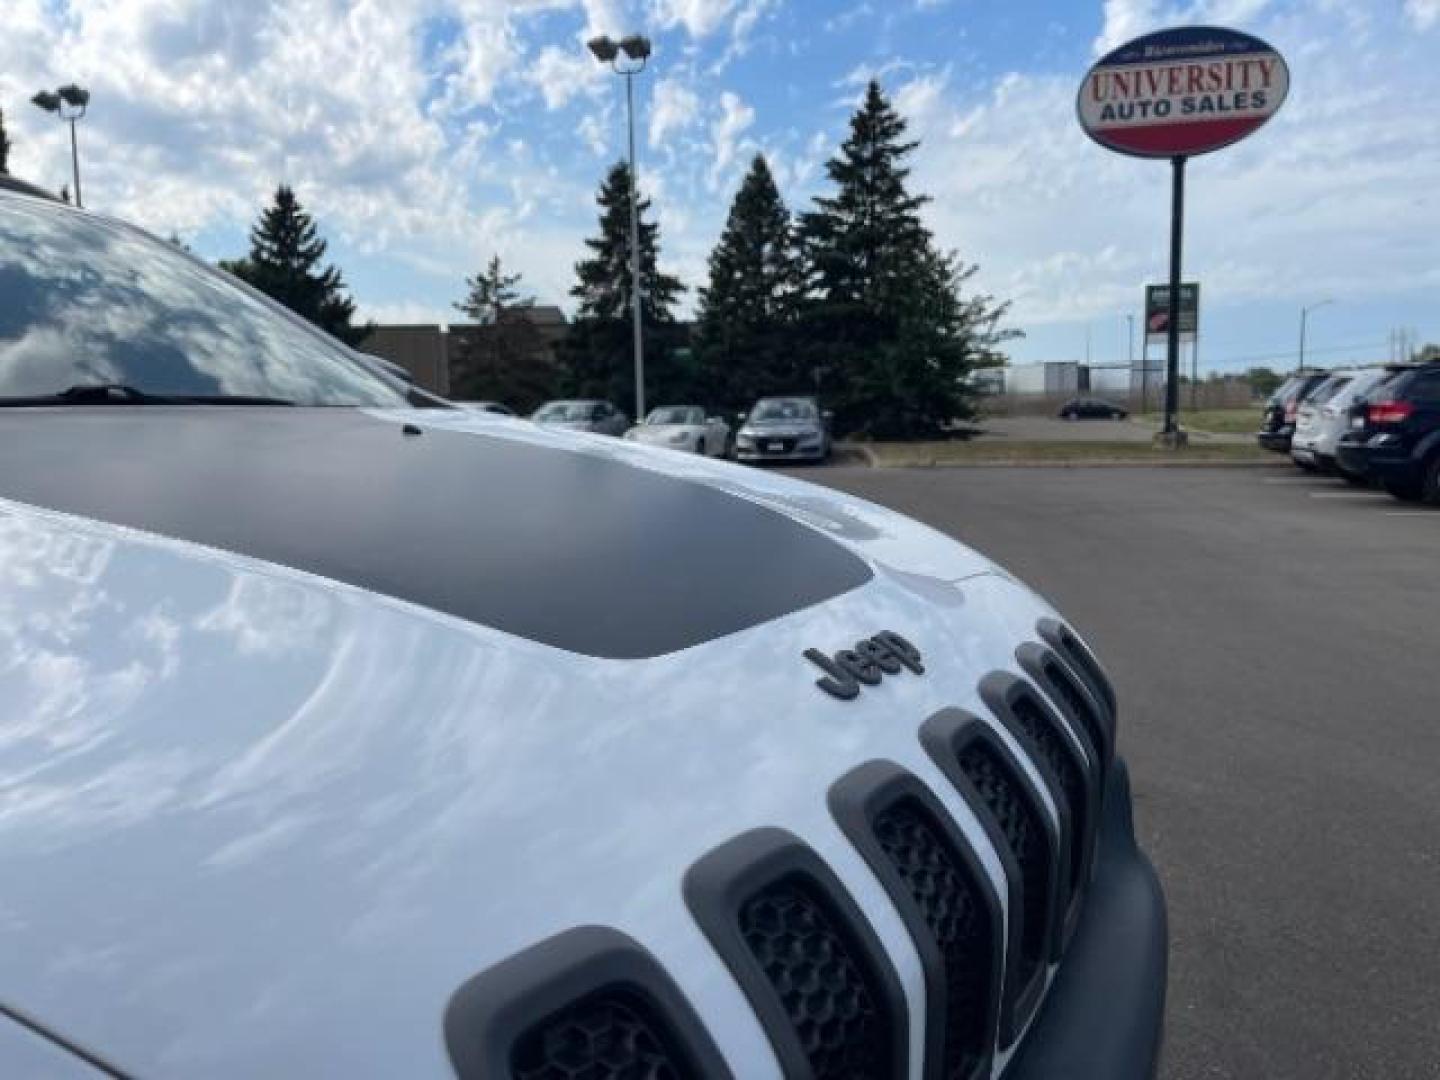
[
  {"x": 565, "y": 411},
  {"x": 84, "y": 301},
  {"x": 676, "y": 416},
  {"x": 783, "y": 409}
]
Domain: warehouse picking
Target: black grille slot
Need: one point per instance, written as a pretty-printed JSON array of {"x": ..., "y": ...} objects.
[
  {"x": 1024, "y": 833},
  {"x": 1063, "y": 684},
  {"x": 608, "y": 1036},
  {"x": 1061, "y": 638},
  {"x": 586, "y": 1004},
  {"x": 950, "y": 901},
  {"x": 831, "y": 1003},
  {"x": 1040, "y": 728}
]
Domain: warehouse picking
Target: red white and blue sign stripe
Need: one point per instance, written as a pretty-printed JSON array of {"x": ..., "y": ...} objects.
[{"x": 1177, "y": 93}]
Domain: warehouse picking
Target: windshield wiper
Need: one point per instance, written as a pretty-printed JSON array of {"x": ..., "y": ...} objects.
[{"x": 120, "y": 394}]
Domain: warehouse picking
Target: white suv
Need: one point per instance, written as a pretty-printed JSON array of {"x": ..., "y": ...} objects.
[{"x": 1324, "y": 416}]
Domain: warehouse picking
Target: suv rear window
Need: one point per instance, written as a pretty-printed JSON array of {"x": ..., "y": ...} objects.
[
  {"x": 1328, "y": 389},
  {"x": 1423, "y": 387}
]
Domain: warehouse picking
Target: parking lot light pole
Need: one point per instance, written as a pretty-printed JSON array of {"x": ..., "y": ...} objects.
[
  {"x": 1304, "y": 318},
  {"x": 69, "y": 104},
  {"x": 636, "y": 49}
]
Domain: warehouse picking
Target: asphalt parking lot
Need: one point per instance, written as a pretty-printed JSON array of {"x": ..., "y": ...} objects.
[{"x": 1273, "y": 639}]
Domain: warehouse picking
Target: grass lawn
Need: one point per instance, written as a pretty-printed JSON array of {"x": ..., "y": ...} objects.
[
  {"x": 1217, "y": 421},
  {"x": 983, "y": 452}
]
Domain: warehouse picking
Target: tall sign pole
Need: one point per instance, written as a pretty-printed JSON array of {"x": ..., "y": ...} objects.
[
  {"x": 1172, "y": 332},
  {"x": 1175, "y": 94}
]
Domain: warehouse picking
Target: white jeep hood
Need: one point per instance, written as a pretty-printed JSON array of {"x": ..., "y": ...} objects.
[{"x": 256, "y": 822}]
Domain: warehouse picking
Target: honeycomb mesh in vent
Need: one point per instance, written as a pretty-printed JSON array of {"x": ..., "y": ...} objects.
[
  {"x": 935, "y": 876},
  {"x": 1078, "y": 704},
  {"x": 1056, "y": 753},
  {"x": 1025, "y": 834},
  {"x": 826, "y": 994},
  {"x": 609, "y": 1036}
]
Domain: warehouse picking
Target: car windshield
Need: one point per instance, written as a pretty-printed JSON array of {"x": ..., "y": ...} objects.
[
  {"x": 565, "y": 412},
  {"x": 88, "y": 303},
  {"x": 676, "y": 416},
  {"x": 782, "y": 409}
]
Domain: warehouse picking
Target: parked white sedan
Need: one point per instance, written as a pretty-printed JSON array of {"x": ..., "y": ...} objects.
[{"x": 683, "y": 427}]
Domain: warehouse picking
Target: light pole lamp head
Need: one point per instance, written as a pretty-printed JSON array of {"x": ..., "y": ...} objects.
[
  {"x": 47, "y": 100},
  {"x": 635, "y": 46},
  {"x": 605, "y": 49},
  {"x": 77, "y": 97}
]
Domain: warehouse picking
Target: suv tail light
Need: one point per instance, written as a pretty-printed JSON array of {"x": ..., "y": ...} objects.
[{"x": 1390, "y": 412}]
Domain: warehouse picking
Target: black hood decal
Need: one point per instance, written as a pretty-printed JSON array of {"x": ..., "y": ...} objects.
[{"x": 572, "y": 549}]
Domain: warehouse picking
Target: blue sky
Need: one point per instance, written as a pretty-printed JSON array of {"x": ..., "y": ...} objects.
[{"x": 427, "y": 134}]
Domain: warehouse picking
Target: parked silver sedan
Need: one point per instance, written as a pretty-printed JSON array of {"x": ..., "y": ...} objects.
[
  {"x": 600, "y": 417},
  {"x": 683, "y": 427},
  {"x": 784, "y": 429}
]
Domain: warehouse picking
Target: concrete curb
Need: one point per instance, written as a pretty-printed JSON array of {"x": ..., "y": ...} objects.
[{"x": 1096, "y": 463}]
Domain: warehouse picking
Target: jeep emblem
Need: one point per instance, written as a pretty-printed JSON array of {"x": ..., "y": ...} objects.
[{"x": 868, "y": 662}]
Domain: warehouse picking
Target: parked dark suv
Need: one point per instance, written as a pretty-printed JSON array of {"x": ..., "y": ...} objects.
[
  {"x": 1277, "y": 425},
  {"x": 1398, "y": 443}
]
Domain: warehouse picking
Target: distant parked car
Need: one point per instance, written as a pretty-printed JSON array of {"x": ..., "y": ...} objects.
[
  {"x": 1398, "y": 443},
  {"x": 683, "y": 427},
  {"x": 784, "y": 429},
  {"x": 599, "y": 417},
  {"x": 492, "y": 407},
  {"x": 1082, "y": 408},
  {"x": 1325, "y": 416},
  {"x": 1277, "y": 424}
]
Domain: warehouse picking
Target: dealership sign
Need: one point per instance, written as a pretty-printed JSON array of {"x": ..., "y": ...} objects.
[
  {"x": 1177, "y": 93},
  {"x": 1157, "y": 312}
]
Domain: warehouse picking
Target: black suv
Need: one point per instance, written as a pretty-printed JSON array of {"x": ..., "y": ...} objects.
[
  {"x": 1398, "y": 442},
  {"x": 1277, "y": 425}
]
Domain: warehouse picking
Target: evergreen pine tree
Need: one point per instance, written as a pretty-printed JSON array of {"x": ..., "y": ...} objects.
[
  {"x": 284, "y": 263},
  {"x": 745, "y": 324},
  {"x": 504, "y": 358},
  {"x": 597, "y": 352},
  {"x": 4, "y": 146},
  {"x": 892, "y": 334}
]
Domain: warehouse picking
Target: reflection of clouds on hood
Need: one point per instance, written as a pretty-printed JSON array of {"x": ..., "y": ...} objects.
[
  {"x": 60, "y": 694},
  {"x": 270, "y": 617}
]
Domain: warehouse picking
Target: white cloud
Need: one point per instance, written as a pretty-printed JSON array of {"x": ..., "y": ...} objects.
[
  {"x": 734, "y": 120},
  {"x": 1126, "y": 19},
  {"x": 1423, "y": 14},
  {"x": 673, "y": 107},
  {"x": 699, "y": 17},
  {"x": 561, "y": 74}
]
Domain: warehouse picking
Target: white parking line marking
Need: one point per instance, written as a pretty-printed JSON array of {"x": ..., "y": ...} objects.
[
  {"x": 1433, "y": 515},
  {"x": 1293, "y": 480},
  {"x": 1367, "y": 495}
]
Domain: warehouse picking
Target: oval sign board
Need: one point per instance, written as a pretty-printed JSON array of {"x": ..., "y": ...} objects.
[{"x": 1176, "y": 93}]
